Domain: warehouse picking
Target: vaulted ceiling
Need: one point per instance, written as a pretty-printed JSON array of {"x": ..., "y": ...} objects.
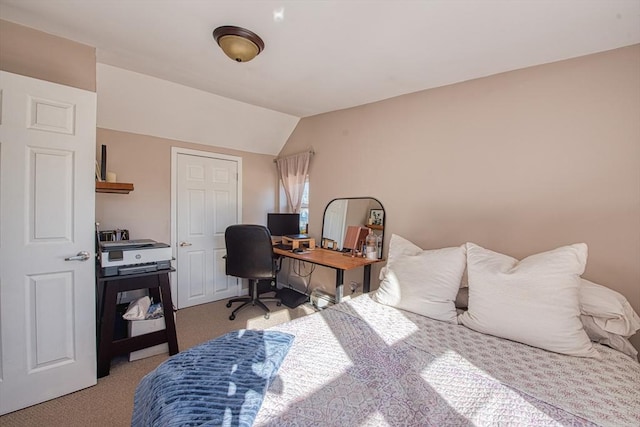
[{"x": 323, "y": 56}]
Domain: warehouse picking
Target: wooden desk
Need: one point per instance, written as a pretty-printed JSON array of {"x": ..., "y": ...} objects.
[
  {"x": 338, "y": 261},
  {"x": 107, "y": 289}
]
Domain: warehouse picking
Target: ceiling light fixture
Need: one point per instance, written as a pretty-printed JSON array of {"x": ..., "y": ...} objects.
[{"x": 237, "y": 43}]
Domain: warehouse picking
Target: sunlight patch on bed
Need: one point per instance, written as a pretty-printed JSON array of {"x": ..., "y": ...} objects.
[
  {"x": 389, "y": 324},
  {"x": 376, "y": 419},
  {"x": 308, "y": 357},
  {"x": 463, "y": 386}
]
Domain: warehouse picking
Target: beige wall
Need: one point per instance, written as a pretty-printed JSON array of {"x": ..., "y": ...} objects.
[
  {"x": 519, "y": 162},
  {"x": 42, "y": 56},
  {"x": 145, "y": 161}
]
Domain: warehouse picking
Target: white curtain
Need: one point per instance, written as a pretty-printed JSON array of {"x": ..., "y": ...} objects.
[{"x": 293, "y": 172}]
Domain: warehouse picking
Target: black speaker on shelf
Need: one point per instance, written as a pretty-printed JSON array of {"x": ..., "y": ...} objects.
[{"x": 103, "y": 163}]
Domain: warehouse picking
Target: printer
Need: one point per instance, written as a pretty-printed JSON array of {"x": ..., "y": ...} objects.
[{"x": 122, "y": 257}]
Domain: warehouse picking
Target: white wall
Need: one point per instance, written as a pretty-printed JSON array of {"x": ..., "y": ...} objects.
[{"x": 138, "y": 103}]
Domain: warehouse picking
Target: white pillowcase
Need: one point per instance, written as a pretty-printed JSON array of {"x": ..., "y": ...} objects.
[
  {"x": 610, "y": 310},
  {"x": 534, "y": 301},
  {"x": 424, "y": 282},
  {"x": 599, "y": 335}
]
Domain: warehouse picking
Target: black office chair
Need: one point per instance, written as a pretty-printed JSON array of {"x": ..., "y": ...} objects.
[{"x": 250, "y": 256}]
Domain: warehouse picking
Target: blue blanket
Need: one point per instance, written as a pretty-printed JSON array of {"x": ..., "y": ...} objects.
[{"x": 221, "y": 382}]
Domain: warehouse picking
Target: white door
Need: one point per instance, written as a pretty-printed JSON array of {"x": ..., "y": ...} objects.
[
  {"x": 206, "y": 204},
  {"x": 47, "y": 212},
  {"x": 334, "y": 221}
]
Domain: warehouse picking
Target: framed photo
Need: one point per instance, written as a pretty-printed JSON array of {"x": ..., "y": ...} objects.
[{"x": 376, "y": 216}]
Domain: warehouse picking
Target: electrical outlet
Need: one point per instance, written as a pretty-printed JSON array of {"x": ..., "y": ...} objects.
[{"x": 354, "y": 286}]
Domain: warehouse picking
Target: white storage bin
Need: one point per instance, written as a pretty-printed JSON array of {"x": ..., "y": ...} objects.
[{"x": 141, "y": 327}]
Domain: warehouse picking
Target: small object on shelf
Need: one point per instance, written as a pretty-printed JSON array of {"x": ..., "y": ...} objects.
[
  {"x": 103, "y": 163},
  {"x": 113, "y": 187},
  {"x": 111, "y": 177},
  {"x": 98, "y": 173},
  {"x": 376, "y": 216}
]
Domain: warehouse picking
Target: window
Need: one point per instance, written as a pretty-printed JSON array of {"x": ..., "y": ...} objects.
[
  {"x": 304, "y": 207},
  {"x": 304, "y": 204}
]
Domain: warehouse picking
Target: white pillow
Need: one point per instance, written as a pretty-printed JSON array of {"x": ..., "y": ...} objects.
[
  {"x": 615, "y": 341},
  {"x": 533, "y": 301},
  {"x": 422, "y": 281},
  {"x": 610, "y": 310}
]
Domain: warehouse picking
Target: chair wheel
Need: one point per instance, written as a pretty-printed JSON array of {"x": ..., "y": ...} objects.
[
  {"x": 228, "y": 306},
  {"x": 232, "y": 317},
  {"x": 266, "y": 316},
  {"x": 278, "y": 304}
]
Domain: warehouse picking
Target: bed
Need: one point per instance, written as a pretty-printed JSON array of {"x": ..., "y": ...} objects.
[{"x": 365, "y": 363}]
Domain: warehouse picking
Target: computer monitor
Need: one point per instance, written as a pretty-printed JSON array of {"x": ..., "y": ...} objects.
[{"x": 283, "y": 224}]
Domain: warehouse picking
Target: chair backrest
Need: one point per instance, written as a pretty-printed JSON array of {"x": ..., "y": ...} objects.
[{"x": 249, "y": 252}]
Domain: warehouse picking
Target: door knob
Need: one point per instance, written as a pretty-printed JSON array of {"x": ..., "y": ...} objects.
[
  {"x": 81, "y": 256},
  {"x": 185, "y": 244}
]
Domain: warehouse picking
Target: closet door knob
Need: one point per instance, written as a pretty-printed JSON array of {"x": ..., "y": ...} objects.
[{"x": 182, "y": 244}]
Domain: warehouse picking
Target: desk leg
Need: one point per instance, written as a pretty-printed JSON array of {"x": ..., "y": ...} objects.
[
  {"x": 106, "y": 329},
  {"x": 339, "y": 284},
  {"x": 366, "y": 282},
  {"x": 169, "y": 321}
]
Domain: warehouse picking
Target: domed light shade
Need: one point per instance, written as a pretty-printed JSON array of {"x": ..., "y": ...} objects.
[{"x": 237, "y": 43}]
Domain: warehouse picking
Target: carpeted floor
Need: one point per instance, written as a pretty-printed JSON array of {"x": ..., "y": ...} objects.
[{"x": 110, "y": 402}]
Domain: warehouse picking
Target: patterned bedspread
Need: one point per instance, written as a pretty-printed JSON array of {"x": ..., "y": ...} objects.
[{"x": 364, "y": 364}]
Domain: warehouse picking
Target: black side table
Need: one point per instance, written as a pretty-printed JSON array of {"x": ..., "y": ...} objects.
[{"x": 107, "y": 295}]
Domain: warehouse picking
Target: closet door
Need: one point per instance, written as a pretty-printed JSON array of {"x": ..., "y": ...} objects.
[
  {"x": 207, "y": 202},
  {"x": 47, "y": 259}
]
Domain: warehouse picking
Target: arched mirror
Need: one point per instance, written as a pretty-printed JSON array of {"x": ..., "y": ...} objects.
[{"x": 351, "y": 211}]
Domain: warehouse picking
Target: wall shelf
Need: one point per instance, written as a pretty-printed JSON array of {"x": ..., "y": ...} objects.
[
  {"x": 375, "y": 227},
  {"x": 113, "y": 187}
]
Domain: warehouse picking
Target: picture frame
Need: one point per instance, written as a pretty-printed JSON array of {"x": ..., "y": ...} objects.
[{"x": 376, "y": 216}]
